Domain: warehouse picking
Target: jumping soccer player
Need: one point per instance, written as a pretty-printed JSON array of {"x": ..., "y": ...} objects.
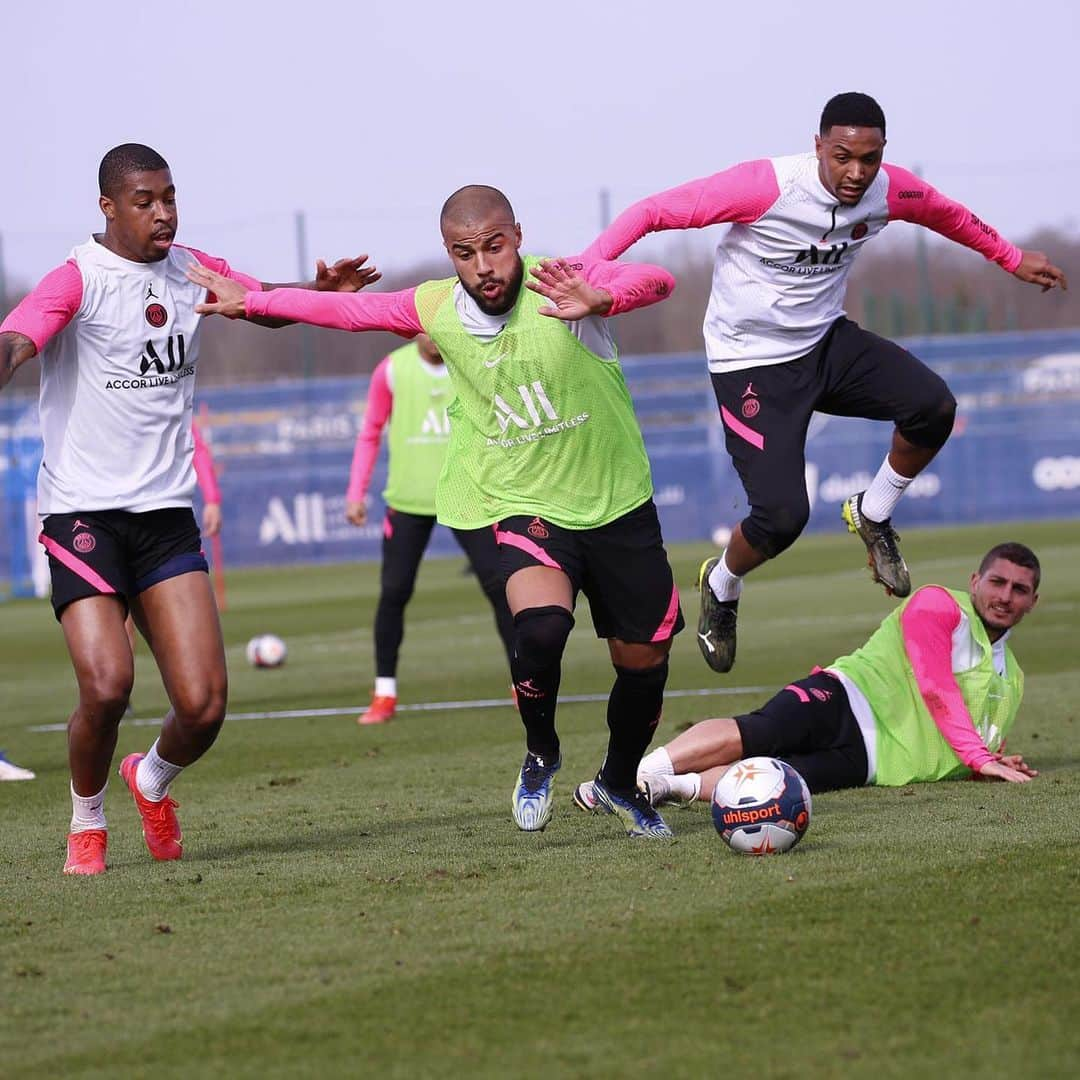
[
  {"x": 932, "y": 695},
  {"x": 411, "y": 389},
  {"x": 545, "y": 445},
  {"x": 780, "y": 348},
  {"x": 118, "y": 333}
]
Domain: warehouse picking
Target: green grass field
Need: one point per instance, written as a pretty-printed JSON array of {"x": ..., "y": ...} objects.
[{"x": 357, "y": 902}]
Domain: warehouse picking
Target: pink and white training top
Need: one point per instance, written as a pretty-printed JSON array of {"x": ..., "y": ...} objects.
[
  {"x": 118, "y": 341},
  {"x": 781, "y": 269},
  {"x": 939, "y": 643}
]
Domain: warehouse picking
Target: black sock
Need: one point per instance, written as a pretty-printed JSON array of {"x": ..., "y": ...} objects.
[
  {"x": 633, "y": 713},
  {"x": 539, "y": 639}
]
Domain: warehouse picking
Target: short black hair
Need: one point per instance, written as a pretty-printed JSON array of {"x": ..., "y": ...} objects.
[
  {"x": 852, "y": 110},
  {"x": 1017, "y": 554},
  {"x": 126, "y": 158},
  {"x": 474, "y": 200}
]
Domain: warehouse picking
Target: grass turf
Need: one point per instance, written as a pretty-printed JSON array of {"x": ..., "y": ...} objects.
[{"x": 357, "y": 901}]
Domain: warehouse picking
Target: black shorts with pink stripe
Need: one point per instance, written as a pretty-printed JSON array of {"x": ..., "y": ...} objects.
[
  {"x": 810, "y": 725},
  {"x": 621, "y": 567},
  {"x": 114, "y": 552}
]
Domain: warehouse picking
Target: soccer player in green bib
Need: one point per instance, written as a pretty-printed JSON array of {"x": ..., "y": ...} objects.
[
  {"x": 932, "y": 695},
  {"x": 544, "y": 445}
]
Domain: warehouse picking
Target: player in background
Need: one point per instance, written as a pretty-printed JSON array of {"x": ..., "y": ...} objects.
[
  {"x": 410, "y": 391},
  {"x": 779, "y": 346},
  {"x": 118, "y": 335},
  {"x": 544, "y": 444},
  {"x": 932, "y": 695}
]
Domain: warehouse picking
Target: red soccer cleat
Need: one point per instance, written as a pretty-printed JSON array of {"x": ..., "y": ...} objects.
[
  {"x": 379, "y": 711},
  {"x": 160, "y": 828},
  {"x": 86, "y": 852}
]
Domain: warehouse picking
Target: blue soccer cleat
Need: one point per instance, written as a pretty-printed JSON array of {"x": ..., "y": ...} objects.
[
  {"x": 633, "y": 809},
  {"x": 532, "y": 801}
]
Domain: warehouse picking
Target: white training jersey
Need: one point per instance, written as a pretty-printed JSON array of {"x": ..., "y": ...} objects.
[{"x": 119, "y": 343}]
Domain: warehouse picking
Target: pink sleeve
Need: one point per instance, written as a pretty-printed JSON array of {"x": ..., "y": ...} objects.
[
  {"x": 394, "y": 311},
  {"x": 631, "y": 285},
  {"x": 204, "y": 468},
  {"x": 910, "y": 198},
  {"x": 45, "y": 311},
  {"x": 927, "y": 624},
  {"x": 380, "y": 402},
  {"x": 742, "y": 193},
  {"x": 220, "y": 266}
]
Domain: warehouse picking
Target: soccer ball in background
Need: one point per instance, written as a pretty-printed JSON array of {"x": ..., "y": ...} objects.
[
  {"x": 266, "y": 651},
  {"x": 761, "y": 806}
]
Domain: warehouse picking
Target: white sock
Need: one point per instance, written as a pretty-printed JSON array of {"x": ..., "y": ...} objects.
[
  {"x": 155, "y": 774},
  {"x": 88, "y": 811},
  {"x": 880, "y": 498},
  {"x": 385, "y": 686},
  {"x": 686, "y": 787},
  {"x": 724, "y": 584},
  {"x": 656, "y": 763}
]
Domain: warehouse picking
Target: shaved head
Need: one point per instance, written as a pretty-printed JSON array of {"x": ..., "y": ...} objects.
[{"x": 473, "y": 205}]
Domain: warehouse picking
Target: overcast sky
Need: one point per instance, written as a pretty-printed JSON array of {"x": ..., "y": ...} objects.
[{"x": 367, "y": 115}]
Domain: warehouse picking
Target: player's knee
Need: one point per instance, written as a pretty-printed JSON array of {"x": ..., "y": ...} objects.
[
  {"x": 540, "y": 635},
  {"x": 648, "y": 680},
  {"x": 395, "y": 594},
  {"x": 772, "y": 530},
  {"x": 933, "y": 422},
  {"x": 201, "y": 709},
  {"x": 104, "y": 691}
]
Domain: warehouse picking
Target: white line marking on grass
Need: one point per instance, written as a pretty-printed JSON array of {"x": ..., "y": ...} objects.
[{"x": 425, "y": 706}]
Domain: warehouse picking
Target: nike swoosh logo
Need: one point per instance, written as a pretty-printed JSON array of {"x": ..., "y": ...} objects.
[{"x": 498, "y": 360}]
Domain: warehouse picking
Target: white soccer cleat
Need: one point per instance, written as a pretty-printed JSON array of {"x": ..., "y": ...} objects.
[{"x": 10, "y": 771}]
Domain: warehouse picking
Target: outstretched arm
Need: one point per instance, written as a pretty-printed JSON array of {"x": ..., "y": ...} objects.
[
  {"x": 580, "y": 287},
  {"x": 927, "y": 625},
  {"x": 742, "y": 193},
  {"x": 395, "y": 312},
  {"x": 910, "y": 198}
]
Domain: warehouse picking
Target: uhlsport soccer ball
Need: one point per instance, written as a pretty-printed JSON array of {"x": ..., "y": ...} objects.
[
  {"x": 266, "y": 651},
  {"x": 761, "y": 806}
]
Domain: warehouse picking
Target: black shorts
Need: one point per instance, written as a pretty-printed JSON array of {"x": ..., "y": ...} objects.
[
  {"x": 621, "y": 567},
  {"x": 767, "y": 410},
  {"x": 106, "y": 552},
  {"x": 810, "y": 725}
]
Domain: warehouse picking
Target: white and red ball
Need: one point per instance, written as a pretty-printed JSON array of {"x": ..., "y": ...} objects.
[
  {"x": 266, "y": 651},
  {"x": 761, "y": 806}
]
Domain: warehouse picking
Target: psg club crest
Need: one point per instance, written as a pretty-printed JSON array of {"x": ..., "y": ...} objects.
[
  {"x": 860, "y": 231},
  {"x": 156, "y": 315},
  {"x": 84, "y": 543},
  {"x": 538, "y": 529}
]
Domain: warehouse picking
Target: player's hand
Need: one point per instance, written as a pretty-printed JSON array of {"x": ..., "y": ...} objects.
[
  {"x": 211, "y": 519},
  {"x": 228, "y": 295},
  {"x": 1036, "y": 269},
  {"x": 998, "y": 770},
  {"x": 355, "y": 512},
  {"x": 1015, "y": 761},
  {"x": 346, "y": 275},
  {"x": 571, "y": 296}
]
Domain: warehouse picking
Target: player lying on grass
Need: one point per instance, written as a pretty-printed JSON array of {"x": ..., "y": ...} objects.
[
  {"x": 544, "y": 443},
  {"x": 931, "y": 696},
  {"x": 118, "y": 335}
]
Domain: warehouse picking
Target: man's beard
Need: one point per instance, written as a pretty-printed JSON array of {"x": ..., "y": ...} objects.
[{"x": 509, "y": 297}]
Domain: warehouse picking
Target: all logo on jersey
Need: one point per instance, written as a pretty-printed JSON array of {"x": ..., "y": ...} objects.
[
  {"x": 821, "y": 256},
  {"x": 174, "y": 354},
  {"x": 436, "y": 422},
  {"x": 533, "y": 400}
]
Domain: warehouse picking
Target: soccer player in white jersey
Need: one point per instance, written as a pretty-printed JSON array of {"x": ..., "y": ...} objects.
[
  {"x": 117, "y": 331},
  {"x": 780, "y": 347}
]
